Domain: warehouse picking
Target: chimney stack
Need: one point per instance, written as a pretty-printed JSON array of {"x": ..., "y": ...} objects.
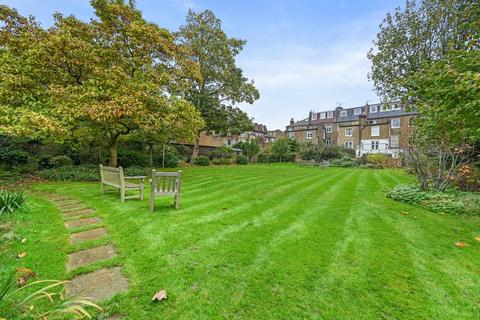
[{"x": 292, "y": 122}]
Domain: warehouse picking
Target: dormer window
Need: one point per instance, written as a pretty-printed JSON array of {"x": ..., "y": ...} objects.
[
  {"x": 373, "y": 109},
  {"x": 314, "y": 115},
  {"x": 343, "y": 113},
  {"x": 357, "y": 111},
  {"x": 330, "y": 114},
  {"x": 385, "y": 107},
  {"x": 322, "y": 115}
]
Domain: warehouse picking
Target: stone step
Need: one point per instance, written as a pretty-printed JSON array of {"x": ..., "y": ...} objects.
[
  {"x": 77, "y": 207},
  {"x": 79, "y": 237},
  {"x": 82, "y": 222},
  {"x": 98, "y": 285},
  {"x": 84, "y": 257},
  {"x": 78, "y": 212}
]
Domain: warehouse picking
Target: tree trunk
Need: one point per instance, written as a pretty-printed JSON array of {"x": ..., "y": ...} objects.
[
  {"x": 196, "y": 146},
  {"x": 150, "y": 156},
  {"x": 112, "y": 148}
]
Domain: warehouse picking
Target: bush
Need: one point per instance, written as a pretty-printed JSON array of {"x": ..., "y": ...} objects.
[
  {"x": 171, "y": 160},
  {"x": 370, "y": 166},
  {"x": 11, "y": 157},
  {"x": 131, "y": 158},
  {"x": 331, "y": 152},
  {"x": 242, "y": 160},
  {"x": 11, "y": 201},
  {"x": 453, "y": 202},
  {"x": 201, "y": 161},
  {"x": 346, "y": 161},
  {"x": 222, "y": 161},
  {"x": 378, "y": 159},
  {"x": 86, "y": 172},
  {"x": 60, "y": 161},
  {"x": 222, "y": 152}
]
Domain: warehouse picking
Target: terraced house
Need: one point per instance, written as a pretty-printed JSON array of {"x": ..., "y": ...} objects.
[{"x": 372, "y": 128}]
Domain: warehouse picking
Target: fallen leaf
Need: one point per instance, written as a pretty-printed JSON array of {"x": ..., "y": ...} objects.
[
  {"x": 26, "y": 271},
  {"x": 414, "y": 217},
  {"x": 24, "y": 240},
  {"x": 461, "y": 244},
  {"x": 405, "y": 213},
  {"x": 477, "y": 238},
  {"x": 160, "y": 295},
  {"x": 22, "y": 281},
  {"x": 22, "y": 255}
]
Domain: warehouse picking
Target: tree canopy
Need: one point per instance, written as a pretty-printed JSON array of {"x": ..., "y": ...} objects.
[
  {"x": 221, "y": 84},
  {"x": 98, "y": 80}
]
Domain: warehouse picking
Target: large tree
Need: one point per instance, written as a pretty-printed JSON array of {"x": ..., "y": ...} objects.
[
  {"x": 221, "y": 84},
  {"x": 418, "y": 33},
  {"x": 98, "y": 80}
]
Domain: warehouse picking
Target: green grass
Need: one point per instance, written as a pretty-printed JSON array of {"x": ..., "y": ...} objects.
[{"x": 271, "y": 242}]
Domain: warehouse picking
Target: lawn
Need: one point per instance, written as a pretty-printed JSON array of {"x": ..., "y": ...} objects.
[{"x": 270, "y": 242}]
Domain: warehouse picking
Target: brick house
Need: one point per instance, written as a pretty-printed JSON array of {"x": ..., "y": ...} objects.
[{"x": 376, "y": 128}]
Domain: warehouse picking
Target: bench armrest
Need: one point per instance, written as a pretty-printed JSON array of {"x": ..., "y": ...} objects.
[{"x": 135, "y": 177}]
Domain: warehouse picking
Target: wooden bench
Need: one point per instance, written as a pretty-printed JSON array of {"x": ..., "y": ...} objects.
[
  {"x": 302, "y": 162},
  {"x": 325, "y": 164},
  {"x": 166, "y": 184},
  {"x": 114, "y": 177}
]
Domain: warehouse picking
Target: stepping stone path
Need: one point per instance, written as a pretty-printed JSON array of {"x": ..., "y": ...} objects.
[{"x": 100, "y": 284}]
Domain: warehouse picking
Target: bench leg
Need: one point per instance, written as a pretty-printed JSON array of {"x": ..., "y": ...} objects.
[
  {"x": 102, "y": 187},
  {"x": 152, "y": 200},
  {"x": 141, "y": 193},
  {"x": 177, "y": 201},
  {"x": 122, "y": 195}
]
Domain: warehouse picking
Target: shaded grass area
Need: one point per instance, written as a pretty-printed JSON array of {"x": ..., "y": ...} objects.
[{"x": 272, "y": 242}]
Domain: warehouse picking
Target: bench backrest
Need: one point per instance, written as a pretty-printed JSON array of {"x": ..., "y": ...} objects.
[
  {"x": 112, "y": 176},
  {"x": 166, "y": 182}
]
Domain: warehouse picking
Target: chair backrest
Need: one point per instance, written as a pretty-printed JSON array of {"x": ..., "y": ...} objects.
[
  {"x": 112, "y": 176},
  {"x": 166, "y": 182},
  {"x": 326, "y": 163}
]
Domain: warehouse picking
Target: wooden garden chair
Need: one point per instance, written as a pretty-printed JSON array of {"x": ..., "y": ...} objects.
[
  {"x": 114, "y": 177},
  {"x": 166, "y": 184}
]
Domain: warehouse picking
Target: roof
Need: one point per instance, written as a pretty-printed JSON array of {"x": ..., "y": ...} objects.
[
  {"x": 389, "y": 113},
  {"x": 258, "y": 127},
  {"x": 351, "y": 116}
]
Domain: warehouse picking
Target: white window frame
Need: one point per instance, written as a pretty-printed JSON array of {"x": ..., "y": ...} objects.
[
  {"x": 314, "y": 115},
  {"x": 328, "y": 142},
  {"x": 385, "y": 107},
  {"x": 309, "y": 135},
  {"x": 397, "y": 141},
  {"x": 291, "y": 134},
  {"x": 328, "y": 129},
  {"x": 330, "y": 114},
  {"x": 357, "y": 111},
  {"x": 348, "y": 144},
  {"x": 350, "y": 130},
  {"x": 373, "y": 109},
  {"x": 396, "y": 106},
  {"x": 322, "y": 115},
  {"x": 395, "y": 126},
  {"x": 374, "y": 144},
  {"x": 377, "y": 129},
  {"x": 343, "y": 113}
]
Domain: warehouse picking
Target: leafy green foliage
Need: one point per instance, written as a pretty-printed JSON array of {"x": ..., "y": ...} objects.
[
  {"x": 221, "y": 83},
  {"x": 47, "y": 290},
  {"x": 59, "y": 161},
  {"x": 201, "y": 161},
  {"x": 377, "y": 159},
  {"x": 241, "y": 159},
  {"x": 453, "y": 202},
  {"x": 11, "y": 201},
  {"x": 419, "y": 33},
  {"x": 85, "y": 172},
  {"x": 346, "y": 161}
]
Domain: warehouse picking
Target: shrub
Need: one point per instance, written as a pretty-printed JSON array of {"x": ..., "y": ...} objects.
[
  {"x": 408, "y": 193},
  {"x": 86, "y": 172},
  {"x": 453, "y": 202},
  {"x": 242, "y": 160},
  {"x": 171, "y": 160},
  {"x": 222, "y": 161},
  {"x": 201, "y": 161},
  {"x": 11, "y": 201},
  {"x": 60, "y": 161},
  {"x": 378, "y": 159},
  {"x": 346, "y": 161},
  {"x": 370, "y": 166},
  {"x": 11, "y": 157},
  {"x": 331, "y": 152},
  {"x": 222, "y": 152},
  {"x": 131, "y": 158}
]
